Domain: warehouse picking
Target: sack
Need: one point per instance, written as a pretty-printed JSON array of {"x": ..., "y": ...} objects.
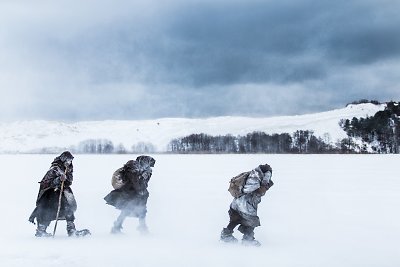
[
  {"x": 237, "y": 183},
  {"x": 117, "y": 180}
]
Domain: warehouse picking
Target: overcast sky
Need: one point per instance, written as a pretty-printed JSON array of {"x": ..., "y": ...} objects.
[{"x": 92, "y": 60}]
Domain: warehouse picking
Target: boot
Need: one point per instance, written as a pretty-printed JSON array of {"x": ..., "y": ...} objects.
[
  {"x": 248, "y": 236},
  {"x": 142, "y": 228},
  {"x": 71, "y": 230},
  {"x": 249, "y": 240},
  {"x": 116, "y": 229},
  {"x": 83, "y": 232},
  {"x": 41, "y": 231},
  {"x": 227, "y": 237}
]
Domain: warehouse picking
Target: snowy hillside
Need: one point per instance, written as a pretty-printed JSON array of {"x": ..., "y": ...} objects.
[{"x": 32, "y": 136}]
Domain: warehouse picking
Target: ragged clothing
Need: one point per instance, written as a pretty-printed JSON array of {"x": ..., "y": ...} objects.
[
  {"x": 132, "y": 196},
  {"x": 49, "y": 192},
  {"x": 257, "y": 183}
]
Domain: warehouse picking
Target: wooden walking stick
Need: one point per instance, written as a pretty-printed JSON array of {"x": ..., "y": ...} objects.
[{"x": 59, "y": 202}]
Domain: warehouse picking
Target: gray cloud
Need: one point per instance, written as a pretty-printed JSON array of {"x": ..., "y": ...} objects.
[{"x": 142, "y": 59}]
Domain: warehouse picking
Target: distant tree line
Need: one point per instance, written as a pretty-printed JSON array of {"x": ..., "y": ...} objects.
[
  {"x": 380, "y": 132},
  {"x": 301, "y": 141},
  {"x": 364, "y": 101},
  {"x": 376, "y": 134},
  {"x": 105, "y": 146},
  {"x": 96, "y": 146}
]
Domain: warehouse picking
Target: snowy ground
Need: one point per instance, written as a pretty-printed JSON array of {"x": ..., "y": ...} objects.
[{"x": 325, "y": 210}]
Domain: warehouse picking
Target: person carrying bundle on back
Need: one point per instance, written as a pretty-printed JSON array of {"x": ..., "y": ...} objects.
[
  {"x": 130, "y": 192},
  {"x": 247, "y": 189}
]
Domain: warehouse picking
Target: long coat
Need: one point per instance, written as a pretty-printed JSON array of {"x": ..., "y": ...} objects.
[
  {"x": 49, "y": 192},
  {"x": 132, "y": 196},
  {"x": 246, "y": 205}
]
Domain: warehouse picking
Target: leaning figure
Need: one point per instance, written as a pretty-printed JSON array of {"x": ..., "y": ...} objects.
[
  {"x": 56, "y": 181},
  {"x": 247, "y": 189},
  {"x": 130, "y": 192}
]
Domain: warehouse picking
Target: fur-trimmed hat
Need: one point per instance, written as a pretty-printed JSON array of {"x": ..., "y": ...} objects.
[
  {"x": 264, "y": 168},
  {"x": 65, "y": 156}
]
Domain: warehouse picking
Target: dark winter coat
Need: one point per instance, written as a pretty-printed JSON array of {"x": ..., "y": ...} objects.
[
  {"x": 132, "y": 196},
  {"x": 246, "y": 205},
  {"x": 49, "y": 192}
]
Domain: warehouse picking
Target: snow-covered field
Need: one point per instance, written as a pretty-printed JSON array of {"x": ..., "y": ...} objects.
[{"x": 324, "y": 210}]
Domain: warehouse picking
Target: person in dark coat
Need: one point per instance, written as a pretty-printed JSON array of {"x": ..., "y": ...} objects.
[
  {"x": 130, "y": 194},
  {"x": 61, "y": 170},
  {"x": 243, "y": 209}
]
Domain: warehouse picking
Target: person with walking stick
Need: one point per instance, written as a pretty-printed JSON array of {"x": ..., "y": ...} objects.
[{"x": 55, "y": 200}]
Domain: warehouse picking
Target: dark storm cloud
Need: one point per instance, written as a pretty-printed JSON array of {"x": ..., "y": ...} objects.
[
  {"x": 281, "y": 41},
  {"x": 115, "y": 59}
]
